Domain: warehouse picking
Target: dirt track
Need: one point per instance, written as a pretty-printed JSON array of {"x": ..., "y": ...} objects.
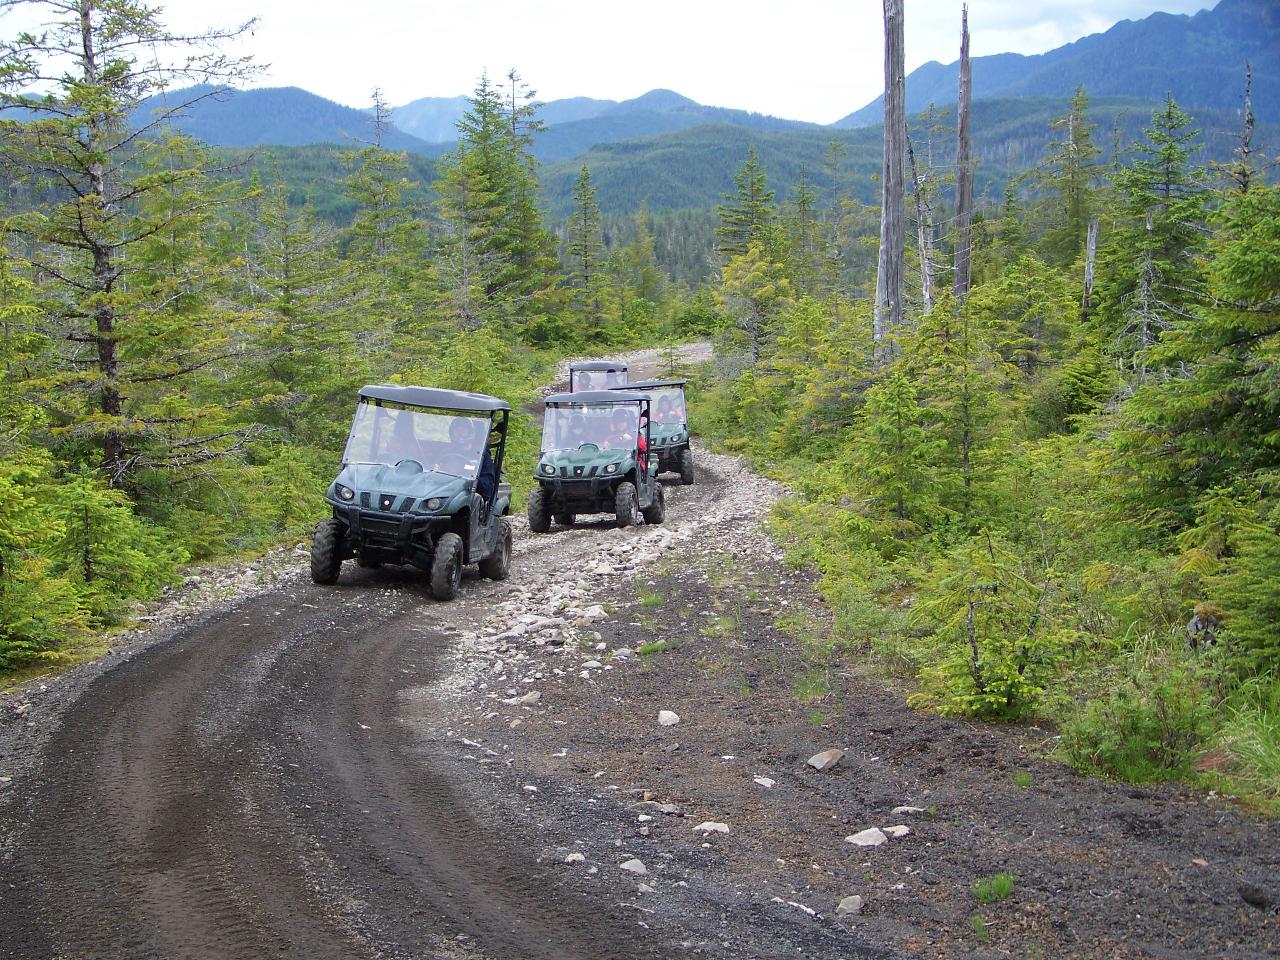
[{"x": 360, "y": 772}]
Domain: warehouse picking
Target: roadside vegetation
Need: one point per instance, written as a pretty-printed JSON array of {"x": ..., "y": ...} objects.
[{"x": 1048, "y": 502}]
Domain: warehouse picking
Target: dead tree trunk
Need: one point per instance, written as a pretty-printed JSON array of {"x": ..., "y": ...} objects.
[
  {"x": 888, "y": 311},
  {"x": 1243, "y": 173},
  {"x": 924, "y": 229},
  {"x": 1090, "y": 259},
  {"x": 964, "y": 170}
]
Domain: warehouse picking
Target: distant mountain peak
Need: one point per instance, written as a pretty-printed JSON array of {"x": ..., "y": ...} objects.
[{"x": 660, "y": 99}]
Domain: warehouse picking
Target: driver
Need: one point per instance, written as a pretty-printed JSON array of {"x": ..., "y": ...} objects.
[
  {"x": 463, "y": 440},
  {"x": 585, "y": 381},
  {"x": 666, "y": 412},
  {"x": 621, "y": 434}
]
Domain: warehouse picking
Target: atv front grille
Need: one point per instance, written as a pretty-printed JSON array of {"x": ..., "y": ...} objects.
[
  {"x": 577, "y": 473},
  {"x": 364, "y": 500},
  {"x": 406, "y": 504}
]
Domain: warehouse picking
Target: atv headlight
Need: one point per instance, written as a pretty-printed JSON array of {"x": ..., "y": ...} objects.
[
  {"x": 344, "y": 493},
  {"x": 548, "y": 469},
  {"x": 611, "y": 468},
  {"x": 435, "y": 503}
]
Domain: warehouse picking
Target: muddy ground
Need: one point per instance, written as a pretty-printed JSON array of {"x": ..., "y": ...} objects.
[{"x": 359, "y": 771}]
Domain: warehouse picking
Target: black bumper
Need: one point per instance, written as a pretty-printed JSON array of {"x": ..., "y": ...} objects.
[
  {"x": 395, "y": 537},
  {"x": 587, "y": 495}
]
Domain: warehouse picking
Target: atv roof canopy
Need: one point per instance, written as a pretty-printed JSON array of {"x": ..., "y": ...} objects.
[
  {"x": 598, "y": 365},
  {"x": 434, "y": 398},
  {"x": 651, "y": 384},
  {"x": 614, "y": 395}
]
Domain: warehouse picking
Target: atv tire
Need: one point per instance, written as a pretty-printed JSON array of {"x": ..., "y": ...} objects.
[
  {"x": 539, "y": 510},
  {"x": 446, "y": 567},
  {"x": 564, "y": 518},
  {"x": 626, "y": 504},
  {"x": 656, "y": 512},
  {"x": 686, "y": 466},
  {"x": 497, "y": 566},
  {"x": 326, "y": 552}
]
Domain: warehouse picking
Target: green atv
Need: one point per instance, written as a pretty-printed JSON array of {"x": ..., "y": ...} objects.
[
  {"x": 594, "y": 460},
  {"x": 670, "y": 428},
  {"x": 596, "y": 375},
  {"x": 420, "y": 484}
]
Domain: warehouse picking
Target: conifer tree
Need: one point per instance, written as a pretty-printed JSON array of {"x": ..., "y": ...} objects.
[
  {"x": 585, "y": 246},
  {"x": 1068, "y": 176},
  {"x": 747, "y": 214},
  {"x": 125, "y": 185}
]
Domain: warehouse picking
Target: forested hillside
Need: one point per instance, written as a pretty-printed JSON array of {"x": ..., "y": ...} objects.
[{"x": 1045, "y": 498}]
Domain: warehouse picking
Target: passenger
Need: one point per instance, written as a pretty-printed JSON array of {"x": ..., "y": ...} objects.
[
  {"x": 585, "y": 381},
  {"x": 578, "y": 434},
  {"x": 642, "y": 445},
  {"x": 404, "y": 443}
]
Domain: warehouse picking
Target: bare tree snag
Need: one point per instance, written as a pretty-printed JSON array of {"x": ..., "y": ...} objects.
[
  {"x": 1090, "y": 259},
  {"x": 924, "y": 229},
  {"x": 964, "y": 169},
  {"x": 888, "y": 310}
]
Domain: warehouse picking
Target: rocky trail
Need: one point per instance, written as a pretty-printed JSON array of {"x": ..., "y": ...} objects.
[{"x": 608, "y": 755}]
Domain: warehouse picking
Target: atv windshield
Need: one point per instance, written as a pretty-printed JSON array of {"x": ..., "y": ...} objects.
[
  {"x": 580, "y": 380},
  {"x": 668, "y": 405},
  {"x": 610, "y": 426},
  {"x": 445, "y": 442}
]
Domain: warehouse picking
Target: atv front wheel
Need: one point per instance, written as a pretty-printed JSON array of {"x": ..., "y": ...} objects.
[
  {"x": 326, "y": 552},
  {"x": 626, "y": 505},
  {"x": 539, "y": 510},
  {"x": 497, "y": 566},
  {"x": 656, "y": 512},
  {"x": 446, "y": 567},
  {"x": 686, "y": 466},
  {"x": 564, "y": 518}
]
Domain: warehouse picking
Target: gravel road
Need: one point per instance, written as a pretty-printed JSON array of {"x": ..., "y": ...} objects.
[{"x": 272, "y": 768}]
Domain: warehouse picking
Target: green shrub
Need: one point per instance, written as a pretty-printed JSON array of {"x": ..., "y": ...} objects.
[
  {"x": 1150, "y": 726},
  {"x": 1252, "y": 737}
]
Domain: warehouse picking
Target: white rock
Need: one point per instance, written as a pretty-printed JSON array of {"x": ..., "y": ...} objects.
[
  {"x": 825, "y": 760},
  {"x": 526, "y": 700},
  {"x": 574, "y": 857},
  {"x": 668, "y": 718},
  {"x": 711, "y": 826},
  {"x": 645, "y": 888},
  {"x": 622, "y": 653},
  {"x": 592, "y": 665},
  {"x": 906, "y": 811},
  {"x": 849, "y": 906},
  {"x": 633, "y": 866},
  {"x": 871, "y": 837},
  {"x": 901, "y": 830},
  {"x": 766, "y": 782}
]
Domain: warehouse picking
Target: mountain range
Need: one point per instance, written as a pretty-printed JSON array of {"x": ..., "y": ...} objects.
[{"x": 1199, "y": 59}]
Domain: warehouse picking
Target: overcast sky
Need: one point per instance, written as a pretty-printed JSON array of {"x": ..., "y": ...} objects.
[{"x": 802, "y": 59}]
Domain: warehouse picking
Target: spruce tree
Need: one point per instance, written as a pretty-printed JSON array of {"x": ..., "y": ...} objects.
[
  {"x": 1068, "y": 178},
  {"x": 585, "y": 246},
  {"x": 747, "y": 214},
  {"x": 121, "y": 185}
]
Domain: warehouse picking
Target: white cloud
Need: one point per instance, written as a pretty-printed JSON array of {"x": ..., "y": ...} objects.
[{"x": 810, "y": 59}]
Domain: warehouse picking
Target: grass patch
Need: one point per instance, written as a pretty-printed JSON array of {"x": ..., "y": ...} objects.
[
  {"x": 812, "y": 685},
  {"x": 651, "y": 598},
  {"x": 650, "y": 647},
  {"x": 1022, "y": 778},
  {"x": 981, "y": 929},
  {"x": 816, "y": 717},
  {"x": 720, "y": 626},
  {"x": 993, "y": 889}
]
